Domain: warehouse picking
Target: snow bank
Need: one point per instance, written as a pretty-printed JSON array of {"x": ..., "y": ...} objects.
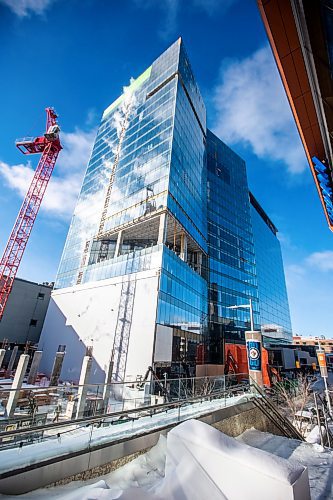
[
  {"x": 318, "y": 460},
  {"x": 194, "y": 462},
  {"x": 202, "y": 462},
  {"x": 314, "y": 435}
]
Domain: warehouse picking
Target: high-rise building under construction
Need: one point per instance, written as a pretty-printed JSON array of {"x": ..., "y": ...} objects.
[{"x": 161, "y": 239}]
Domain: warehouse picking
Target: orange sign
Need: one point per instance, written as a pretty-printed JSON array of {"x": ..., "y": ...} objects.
[{"x": 321, "y": 359}]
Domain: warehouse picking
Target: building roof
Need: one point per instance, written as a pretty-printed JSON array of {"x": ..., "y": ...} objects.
[
  {"x": 301, "y": 36},
  {"x": 262, "y": 213}
]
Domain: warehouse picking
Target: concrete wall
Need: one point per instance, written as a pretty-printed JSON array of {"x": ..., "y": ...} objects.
[
  {"x": 25, "y": 304},
  {"x": 87, "y": 314}
]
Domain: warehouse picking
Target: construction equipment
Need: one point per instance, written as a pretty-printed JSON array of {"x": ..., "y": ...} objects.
[
  {"x": 49, "y": 147},
  {"x": 163, "y": 390}
]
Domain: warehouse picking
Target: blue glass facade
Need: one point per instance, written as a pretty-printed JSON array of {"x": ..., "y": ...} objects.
[
  {"x": 161, "y": 192},
  {"x": 232, "y": 271},
  {"x": 273, "y": 299},
  {"x": 149, "y": 158}
]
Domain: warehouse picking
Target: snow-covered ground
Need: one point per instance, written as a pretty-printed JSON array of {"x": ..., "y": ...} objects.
[
  {"x": 78, "y": 439},
  {"x": 143, "y": 477},
  {"x": 318, "y": 460}
]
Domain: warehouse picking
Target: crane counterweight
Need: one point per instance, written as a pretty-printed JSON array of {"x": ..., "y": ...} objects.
[{"x": 49, "y": 147}]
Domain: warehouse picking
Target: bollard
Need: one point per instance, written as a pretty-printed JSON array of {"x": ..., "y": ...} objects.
[
  {"x": 34, "y": 367},
  {"x": 84, "y": 378},
  {"x": 17, "y": 384}
]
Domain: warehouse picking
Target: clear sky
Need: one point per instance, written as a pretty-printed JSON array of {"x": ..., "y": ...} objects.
[{"x": 76, "y": 55}]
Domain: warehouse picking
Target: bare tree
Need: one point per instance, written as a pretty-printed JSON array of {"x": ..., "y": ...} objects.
[{"x": 295, "y": 395}]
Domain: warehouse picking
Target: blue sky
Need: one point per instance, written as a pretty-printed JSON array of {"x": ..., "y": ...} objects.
[{"x": 76, "y": 55}]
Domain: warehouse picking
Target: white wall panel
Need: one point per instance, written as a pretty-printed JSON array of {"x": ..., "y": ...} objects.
[{"x": 87, "y": 315}]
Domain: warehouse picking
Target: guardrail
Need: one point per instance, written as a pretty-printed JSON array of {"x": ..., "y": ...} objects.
[
  {"x": 109, "y": 426},
  {"x": 61, "y": 402}
]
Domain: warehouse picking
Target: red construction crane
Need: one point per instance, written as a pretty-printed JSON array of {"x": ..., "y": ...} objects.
[{"x": 49, "y": 146}]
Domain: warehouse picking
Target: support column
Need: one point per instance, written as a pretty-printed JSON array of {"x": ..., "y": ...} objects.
[
  {"x": 17, "y": 384},
  {"x": 12, "y": 359},
  {"x": 107, "y": 386},
  {"x": 84, "y": 379},
  {"x": 34, "y": 367},
  {"x": 163, "y": 227},
  {"x": 183, "y": 247},
  {"x": 56, "y": 370},
  {"x": 119, "y": 243},
  {"x": 2, "y": 355}
]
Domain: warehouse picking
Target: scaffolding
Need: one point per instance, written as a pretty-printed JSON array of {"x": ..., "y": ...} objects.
[{"x": 123, "y": 330}]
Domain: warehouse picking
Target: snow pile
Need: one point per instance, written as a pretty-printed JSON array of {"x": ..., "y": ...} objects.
[
  {"x": 318, "y": 461},
  {"x": 196, "y": 461},
  {"x": 202, "y": 462}
]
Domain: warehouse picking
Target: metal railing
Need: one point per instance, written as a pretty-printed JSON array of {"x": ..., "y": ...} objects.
[{"x": 54, "y": 439}]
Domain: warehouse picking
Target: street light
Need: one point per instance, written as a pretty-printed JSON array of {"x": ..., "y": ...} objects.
[
  {"x": 253, "y": 342},
  {"x": 246, "y": 306}
]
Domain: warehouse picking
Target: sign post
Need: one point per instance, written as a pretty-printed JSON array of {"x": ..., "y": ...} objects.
[
  {"x": 254, "y": 357},
  {"x": 321, "y": 355}
]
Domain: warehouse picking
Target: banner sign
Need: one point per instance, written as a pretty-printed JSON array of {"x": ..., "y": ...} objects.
[
  {"x": 321, "y": 355},
  {"x": 254, "y": 354}
]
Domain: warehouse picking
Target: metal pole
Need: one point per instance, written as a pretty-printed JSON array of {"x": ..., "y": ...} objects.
[
  {"x": 251, "y": 316},
  {"x": 328, "y": 397},
  {"x": 318, "y": 419}
]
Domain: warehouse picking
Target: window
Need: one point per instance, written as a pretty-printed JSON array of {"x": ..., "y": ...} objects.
[
  {"x": 33, "y": 322},
  {"x": 41, "y": 296}
]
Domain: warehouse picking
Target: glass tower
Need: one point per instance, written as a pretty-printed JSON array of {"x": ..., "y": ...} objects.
[
  {"x": 273, "y": 299},
  {"x": 232, "y": 270},
  {"x": 160, "y": 243}
]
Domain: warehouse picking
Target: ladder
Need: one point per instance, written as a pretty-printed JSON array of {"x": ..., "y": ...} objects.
[{"x": 123, "y": 330}]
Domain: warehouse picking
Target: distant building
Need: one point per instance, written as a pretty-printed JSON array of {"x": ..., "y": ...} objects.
[
  {"x": 272, "y": 291},
  {"x": 25, "y": 312},
  {"x": 161, "y": 241},
  {"x": 326, "y": 344}
]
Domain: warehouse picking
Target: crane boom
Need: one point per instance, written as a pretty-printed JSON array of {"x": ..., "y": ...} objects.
[{"x": 49, "y": 146}]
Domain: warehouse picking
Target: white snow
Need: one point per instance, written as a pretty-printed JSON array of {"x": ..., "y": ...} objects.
[
  {"x": 195, "y": 462},
  {"x": 318, "y": 460}
]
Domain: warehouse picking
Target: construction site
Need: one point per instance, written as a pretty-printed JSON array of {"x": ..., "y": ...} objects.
[{"x": 166, "y": 336}]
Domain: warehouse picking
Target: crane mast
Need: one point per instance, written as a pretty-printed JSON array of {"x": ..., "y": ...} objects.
[{"x": 49, "y": 147}]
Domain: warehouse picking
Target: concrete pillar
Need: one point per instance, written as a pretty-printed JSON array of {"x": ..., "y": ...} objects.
[
  {"x": 84, "y": 379},
  {"x": 254, "y": 356},
  {"x": 2, "y": 355},
  {"x": 12, "y": 359},
  {"x": 107, "y": 385},
  {"x": 17, "y": 384},
  {"x": 183, "y": 247},
  {"x": 56, "y": 370},
  {"x": 119, "y": 243},
  {"x": 34, "y": 367},
  {"x": 163, "y": 227}
]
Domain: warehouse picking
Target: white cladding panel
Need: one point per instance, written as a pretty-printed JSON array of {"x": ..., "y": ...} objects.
[{"x": 87, "y": 314}]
